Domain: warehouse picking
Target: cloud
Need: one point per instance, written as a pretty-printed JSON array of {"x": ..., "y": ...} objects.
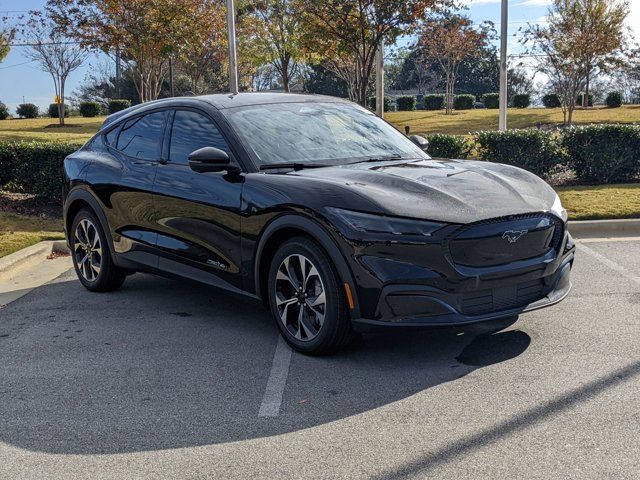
[{"x": 533, "y": 3}]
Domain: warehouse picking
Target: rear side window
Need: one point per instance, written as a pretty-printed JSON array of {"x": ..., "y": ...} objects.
[
  {"x": 141, "y": 137},
  {"x": 191, "y": 131}
]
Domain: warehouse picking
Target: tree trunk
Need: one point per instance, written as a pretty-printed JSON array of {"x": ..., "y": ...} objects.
[
  {"x": 61, "y": 104},
  {"x": 585, "y": 98}
]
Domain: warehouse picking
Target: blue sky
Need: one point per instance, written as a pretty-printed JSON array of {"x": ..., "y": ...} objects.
[{"x": 19, "y": 78}]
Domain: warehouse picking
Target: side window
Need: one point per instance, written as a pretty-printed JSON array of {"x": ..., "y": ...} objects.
[
  {"x": 111, "y": 136},
  {"x": 140, "y": 137},
  {"x": 191, "y": 131}
]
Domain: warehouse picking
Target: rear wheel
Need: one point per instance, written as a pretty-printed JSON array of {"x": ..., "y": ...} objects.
[
  {"x": 91, "y": 256},
  {"x": 306, "y": 300}
]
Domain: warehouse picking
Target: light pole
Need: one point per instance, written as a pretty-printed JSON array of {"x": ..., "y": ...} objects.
[
  {"x": 502, "y": 116},
  {"x": 233, "y": 65},
  {"x": 380, "y": 80}
]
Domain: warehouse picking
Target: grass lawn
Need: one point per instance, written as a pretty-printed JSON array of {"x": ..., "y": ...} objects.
[
  {"x": 467, "y": 121},
  {"x": 20, "y": 231},
  {"x": 77, "y": 129},
  {"x": 604, "y": 201}
]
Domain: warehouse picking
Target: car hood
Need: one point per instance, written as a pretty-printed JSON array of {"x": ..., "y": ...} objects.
[{"x": 458, "y": 191}]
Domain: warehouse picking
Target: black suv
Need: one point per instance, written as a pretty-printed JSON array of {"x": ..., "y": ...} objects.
[{"x": 334, "y": 219}]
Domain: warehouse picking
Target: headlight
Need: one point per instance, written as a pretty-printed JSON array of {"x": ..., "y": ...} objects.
[
  {"x": 558, "y": 210},
  {"x": 366, "y": 222}
]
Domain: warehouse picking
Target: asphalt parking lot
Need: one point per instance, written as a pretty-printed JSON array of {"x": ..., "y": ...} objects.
[{"x": 167, "y": 379}]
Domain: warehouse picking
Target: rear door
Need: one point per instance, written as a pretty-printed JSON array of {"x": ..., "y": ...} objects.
[{"x": 198, "y": 214}]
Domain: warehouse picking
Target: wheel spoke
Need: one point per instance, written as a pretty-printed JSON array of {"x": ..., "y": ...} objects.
[
  {"x": 305, "y": 325},
  {"x": 87, "y": 250},
  {"x": 313, "y": 272}
]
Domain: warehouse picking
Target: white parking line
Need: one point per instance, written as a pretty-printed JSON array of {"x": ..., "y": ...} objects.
[
  {"x": 272, "y": 399},
  {"x": 610, "y": 263}
]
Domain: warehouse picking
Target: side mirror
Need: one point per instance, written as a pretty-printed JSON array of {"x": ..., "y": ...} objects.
[
  {"x": 422, "y": 142},
  {"x": 210, "y": 159}
]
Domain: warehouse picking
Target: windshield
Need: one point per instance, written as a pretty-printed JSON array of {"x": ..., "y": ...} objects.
[{"x": 318, "y": 133}]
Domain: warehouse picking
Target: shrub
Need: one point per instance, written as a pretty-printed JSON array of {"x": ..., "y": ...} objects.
[
  {"x": 521, "y": 100},
  {"x": 406, "y": 103},
  {"x": 386, "y": 103},
  {"x": 27, "y": 110},
  {"x": 614, "y": 99},
  {"x": 4, "y": 111},
  {"x": 34, "y": 167},
  {"x": 551, "y": 100},
  {"x": 90, "y": 109},
  {"x": 491, "y": 100},
  {"x": 579, "y": 100},
  {"x": 604, "y": 153},
  {"x": 464, "y": 102},
  {"x": 116, "y": 105},
  {"x": 534, "y": 150},
  {"x": 434, "y": 102},
  {"x": 52, "y": 111},
  {"x": 449, "y": 146}
]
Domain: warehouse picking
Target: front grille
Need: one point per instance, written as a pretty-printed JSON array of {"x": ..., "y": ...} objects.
[
  {"x": 504, "y": 240},
  {"x": 502, "y": 298}
]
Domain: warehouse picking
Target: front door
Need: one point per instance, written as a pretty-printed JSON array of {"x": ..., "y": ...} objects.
[{"x": 198, "y": 214}]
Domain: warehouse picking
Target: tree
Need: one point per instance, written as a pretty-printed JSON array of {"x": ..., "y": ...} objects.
[
  {"x": 480, "y": 73},
  {"x": 205, "y": 43},
  {"x": 54, "y": 52},
  {"x": 518, "y": 82},
  {"x": 347, "y": 34},
  {"x": 324, "y": 82},
  {"x": 602, "y": 40},
  {"x": 5, "y": 43},
  {"x": 448, "y": 39},
  {"x": 144, "y": 32},
  {"x": 280, "y": 37},
  {"x": 558, "y": 52}
]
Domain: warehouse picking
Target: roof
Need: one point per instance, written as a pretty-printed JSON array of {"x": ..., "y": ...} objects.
[{"x": 225, "y": 100}]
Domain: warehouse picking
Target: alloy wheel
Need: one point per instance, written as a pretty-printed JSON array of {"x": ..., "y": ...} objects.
[
  {"x": 300, "y": 297},
  {"x": 87, "y": 250}
]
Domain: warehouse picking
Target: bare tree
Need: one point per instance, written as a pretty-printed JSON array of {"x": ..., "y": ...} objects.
[{"x": 54, "y": 52}]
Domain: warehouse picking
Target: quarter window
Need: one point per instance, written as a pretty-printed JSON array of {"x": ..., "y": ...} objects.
[
  {"x": 191, "y": 131},
  {"x": 141, "y": 137}
]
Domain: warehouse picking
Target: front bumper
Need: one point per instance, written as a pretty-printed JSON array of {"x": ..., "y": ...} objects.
[
  {"x": 411, "y": 284},
  {"x": 420, "y": 306}
]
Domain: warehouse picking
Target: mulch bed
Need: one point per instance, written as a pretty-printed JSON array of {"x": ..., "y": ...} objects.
[{"x": 24, "y": 204}]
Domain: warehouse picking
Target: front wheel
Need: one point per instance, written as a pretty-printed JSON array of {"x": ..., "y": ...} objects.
[
  {"x": 306, "y": 300},
  {"x": 91, "y": 256}
]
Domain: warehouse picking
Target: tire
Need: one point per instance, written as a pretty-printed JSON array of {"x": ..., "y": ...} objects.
[
  {"x": 91, "y": 256},
  {"x": 326, "y": 326}
]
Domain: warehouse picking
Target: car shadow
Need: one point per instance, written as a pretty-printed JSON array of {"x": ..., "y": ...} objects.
[{"x": 163, "y": 364}]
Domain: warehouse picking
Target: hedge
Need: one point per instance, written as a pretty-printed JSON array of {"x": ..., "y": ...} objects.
[
  {"x": 90, "y": 109},
  {"x": 434, "y": 102},
  {"x": 551, "y": 100},
  {"x": 386, "y": 103},
  {"x": 116, "y": 105},
  {"x": 406, "y": 103},
  {"x": 449, "y": 146},
  {"x": 464, "y": 102},
  {"x": 613, "y": 100},
  {"x": 521, "y": 100},
  {"x": 52, "y": 111},
  {"x": 491, "y": 100},
  {"x": 535, "y": 150},
  {"x": 4, "y": 111},
  {"x": 604, "y": 153},
  {"x": 27, "y": 110},
  {"x": 34, "y": 167}
]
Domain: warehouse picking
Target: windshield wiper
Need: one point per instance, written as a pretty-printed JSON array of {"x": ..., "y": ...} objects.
[
  {"x": 294, "y": 165},
  {"x": 381, "y": 158}
]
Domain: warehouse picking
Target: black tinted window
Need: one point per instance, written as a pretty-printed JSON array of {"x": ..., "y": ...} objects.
[
  {"x": 140, "y": 137},
  {"x": 191, "y": 131},
  {"x": 111, "y": 136}
]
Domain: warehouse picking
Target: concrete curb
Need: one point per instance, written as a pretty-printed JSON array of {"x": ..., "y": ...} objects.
[
  {"x": 627, "y": 227},
  {"x": 27, "y": 256}
]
